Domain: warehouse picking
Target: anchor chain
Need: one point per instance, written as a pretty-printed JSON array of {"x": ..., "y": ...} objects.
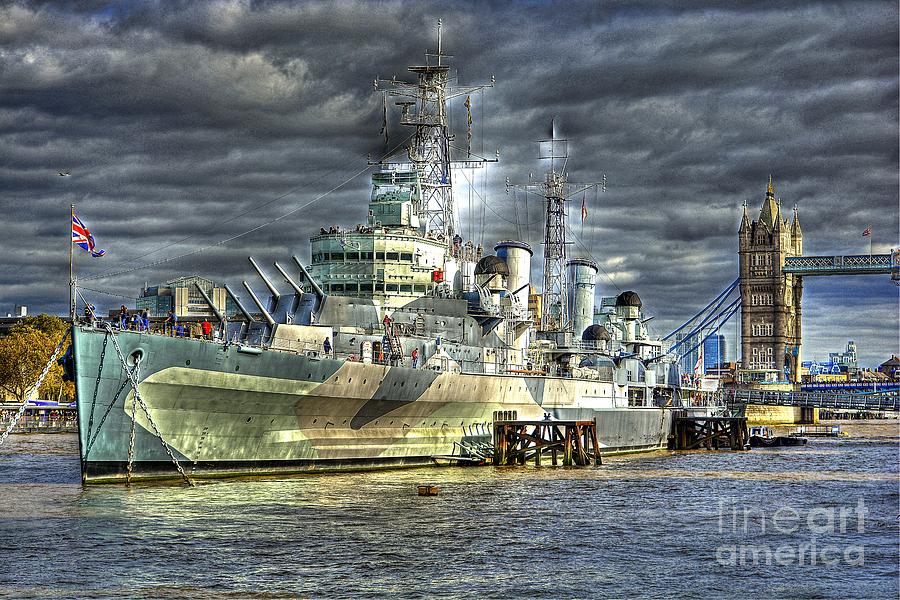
[
  {"x": 103, "y": 419},
  {"x": 37, "y": 386},
  {"x": 137, "y": 397},
  {"x": 131, "y": 442},
  {"x": 97, "y": 386}
]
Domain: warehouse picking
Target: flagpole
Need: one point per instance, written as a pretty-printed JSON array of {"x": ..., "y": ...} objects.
[{"x": 71, "y": 269}]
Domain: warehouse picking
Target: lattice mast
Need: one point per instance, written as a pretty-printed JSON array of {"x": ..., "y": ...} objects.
[
  {"x": 556, "y": 190},
  {"x": 554, "y": 308},
  {"x": 423, "y": 106}
]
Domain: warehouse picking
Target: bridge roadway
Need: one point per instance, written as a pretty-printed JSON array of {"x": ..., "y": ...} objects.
[
  {"x": 866, "y": 264},
  {"x": 873, "y": 401}
]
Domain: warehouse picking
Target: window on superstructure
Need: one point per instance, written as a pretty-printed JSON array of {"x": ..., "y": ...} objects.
[
  {"x": 406, "y": 288},
  {"x": 379, "y": 256},
  {"x": 393, "y": 256},
  {"x": 353, "y": 256},
  {"x": 406, "y": 256},
  {"x": 419, "y": 289},
  {"x": 392, "y": 287},
  {"x": 351, "y": 288},
  {"x": 337, "y": 287},
  {"x": 365, "y": 255},
  {"x": 337, "y": 256},
  {"x": 365, "y": 287}
]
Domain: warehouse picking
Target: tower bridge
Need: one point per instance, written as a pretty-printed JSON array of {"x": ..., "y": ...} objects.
[{"x": 772, "y": 268}]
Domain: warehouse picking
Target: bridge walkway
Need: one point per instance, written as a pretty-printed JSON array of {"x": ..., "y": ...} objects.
[{"x": 875, "y": 401}]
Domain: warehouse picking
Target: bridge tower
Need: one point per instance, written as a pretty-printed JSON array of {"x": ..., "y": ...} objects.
[{"x": 770, "y": 298}]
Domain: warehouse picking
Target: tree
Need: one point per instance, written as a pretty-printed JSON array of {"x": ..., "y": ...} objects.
[{"x": 24, "y": 354}]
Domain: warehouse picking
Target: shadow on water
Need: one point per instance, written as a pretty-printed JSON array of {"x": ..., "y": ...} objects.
[{"x": 660, "y": 525}]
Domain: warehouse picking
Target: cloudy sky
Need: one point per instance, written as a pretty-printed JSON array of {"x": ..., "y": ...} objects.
[{"x": 185, "y": 124}]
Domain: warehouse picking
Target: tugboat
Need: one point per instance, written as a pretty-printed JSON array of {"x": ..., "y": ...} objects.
[{"x": 762, "y": 437}]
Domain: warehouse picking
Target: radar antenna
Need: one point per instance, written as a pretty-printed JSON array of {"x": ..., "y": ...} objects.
[{"x": 423, "y": 106}]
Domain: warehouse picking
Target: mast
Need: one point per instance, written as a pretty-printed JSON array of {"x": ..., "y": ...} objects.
[
  {"x": 423, "y": 106},
  {"x": 556, "y": 190},
  {"x": 554, "y": 310},
  {"x": 71, "y": 268}
]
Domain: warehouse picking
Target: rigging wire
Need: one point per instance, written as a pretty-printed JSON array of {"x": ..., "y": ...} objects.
[
  {"x": 232, "y": 238},
  {"x": 238, "y": 216},
  {"x": 591, "y": 256},
  {"x": 253, "y": 229}
]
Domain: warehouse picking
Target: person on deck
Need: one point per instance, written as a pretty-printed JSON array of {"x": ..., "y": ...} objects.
[
  {"x": 123, "y": 317},
  {"x": 326, "y": 346},
  {"x": 145, "y": 321},
  {"x": 206, "y": 328},
  {"x": 415, "y": 357}
]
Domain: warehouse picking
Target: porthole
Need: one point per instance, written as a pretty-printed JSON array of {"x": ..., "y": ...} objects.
[
  {"x": 364, "y": 381},
  {"x": 187, "y": 363},
  {"x": 314, "y": 420},
  {"x": 350, "y": 380},
  {"x": 249, "y": 419},
  {"x": 237, "y": 368}
]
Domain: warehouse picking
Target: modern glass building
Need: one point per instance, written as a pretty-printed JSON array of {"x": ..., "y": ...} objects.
[
  {"x": 714, "y": 351},
  {"x": 181, "y": 295}
]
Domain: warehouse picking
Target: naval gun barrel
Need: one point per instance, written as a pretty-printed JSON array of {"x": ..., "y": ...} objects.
[
  {"x": 272, "y": 289},
  {"x": 209, "y": 303},
  {"x": 259, "y": 305},
  {"x": 247, "y": 317},
  {"x": 312, "y": 282},
  {"x": 297, "y": 289}
]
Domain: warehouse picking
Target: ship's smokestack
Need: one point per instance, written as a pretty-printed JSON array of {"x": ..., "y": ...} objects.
[
  {"x": 517, "y": 256},
  {"x": 582, "y": 275}
]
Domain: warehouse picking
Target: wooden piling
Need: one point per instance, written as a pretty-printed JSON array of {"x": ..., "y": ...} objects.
[
  {"x": 711, "y": 433},
  {"x": 518, "y": 442}
]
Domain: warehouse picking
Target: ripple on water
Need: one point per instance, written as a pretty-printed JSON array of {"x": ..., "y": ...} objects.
[{"x": 651, "y": 525}]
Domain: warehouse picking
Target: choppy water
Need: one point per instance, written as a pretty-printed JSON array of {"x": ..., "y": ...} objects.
[{"x": 653, "y": 525}]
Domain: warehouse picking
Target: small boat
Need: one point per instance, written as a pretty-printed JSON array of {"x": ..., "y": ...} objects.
[
  {"x": 762, "y": 437},
  {"x": 819, "y": 431}
]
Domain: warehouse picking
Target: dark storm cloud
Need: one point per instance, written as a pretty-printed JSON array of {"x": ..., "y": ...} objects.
[{"x": 186, "y": 123}]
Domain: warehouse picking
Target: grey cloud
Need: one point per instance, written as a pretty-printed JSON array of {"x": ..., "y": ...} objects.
[{"x": 175, "y": 117}]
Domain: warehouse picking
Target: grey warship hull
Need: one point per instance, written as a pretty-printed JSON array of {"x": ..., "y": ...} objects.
[{"x": 232, "y": 411}]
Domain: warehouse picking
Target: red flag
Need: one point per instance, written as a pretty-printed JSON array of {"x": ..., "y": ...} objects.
[
  {"x": 867, "y": 231},
  {"x": 583, "y": 210}
]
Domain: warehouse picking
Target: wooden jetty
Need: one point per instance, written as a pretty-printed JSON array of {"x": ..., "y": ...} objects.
[
  {"x": 711, "y": 433},
  {"x": 517, "y": 442}
]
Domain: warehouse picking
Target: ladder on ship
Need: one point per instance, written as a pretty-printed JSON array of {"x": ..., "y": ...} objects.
[{"x": 393, "y": 340}]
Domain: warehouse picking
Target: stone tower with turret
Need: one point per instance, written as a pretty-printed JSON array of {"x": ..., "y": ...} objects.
[{"x": 770, "y": 299}]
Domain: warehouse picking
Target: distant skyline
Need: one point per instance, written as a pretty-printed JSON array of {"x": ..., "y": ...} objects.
[{"x": 183, "y": 124}]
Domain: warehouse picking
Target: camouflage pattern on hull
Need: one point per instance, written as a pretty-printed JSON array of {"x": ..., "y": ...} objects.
[{"x": 227, "y": 411}]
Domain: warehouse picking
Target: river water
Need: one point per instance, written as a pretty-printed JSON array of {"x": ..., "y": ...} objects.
[{"x": 810, "y": 522}]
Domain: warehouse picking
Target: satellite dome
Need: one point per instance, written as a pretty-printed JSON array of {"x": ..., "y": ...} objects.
[
  {"x": 595, "y": 333},
  {"x": 491, "y": 265},
  {"x": 628, "y": 298}
]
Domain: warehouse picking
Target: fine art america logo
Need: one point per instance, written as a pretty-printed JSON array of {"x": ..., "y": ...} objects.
[{"x": 805, "y": 530}]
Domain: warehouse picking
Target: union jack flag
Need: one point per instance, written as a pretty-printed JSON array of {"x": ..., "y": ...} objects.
[
  {"x": 82, "y": 237},
  {"x": 867, "y": 231}
]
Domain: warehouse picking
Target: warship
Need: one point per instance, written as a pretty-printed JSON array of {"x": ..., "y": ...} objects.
[{"x": 398, "y": 343}]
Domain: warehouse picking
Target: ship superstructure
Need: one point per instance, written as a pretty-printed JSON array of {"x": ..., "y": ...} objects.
[{"x": 399, "y": 341}]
